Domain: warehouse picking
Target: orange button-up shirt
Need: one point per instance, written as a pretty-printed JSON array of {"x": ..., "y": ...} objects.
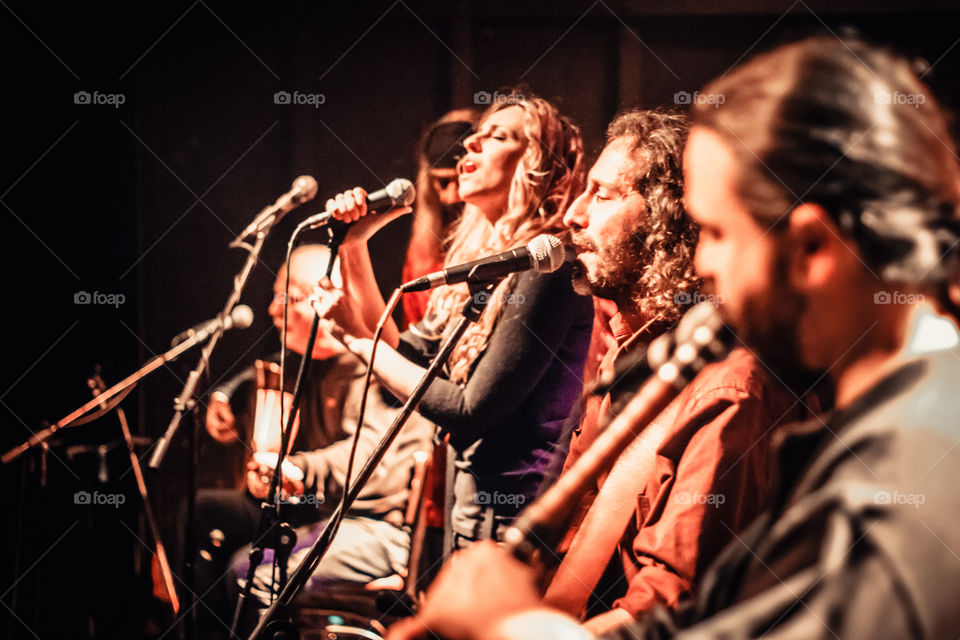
[{"x": 713, "y": 472}]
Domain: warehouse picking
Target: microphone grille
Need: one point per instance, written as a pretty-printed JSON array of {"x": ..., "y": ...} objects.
[
  {"x": 547, "y": 253},
  {"x": 401, "y": 191},
  {"x": 306, "y": 187},
  {"x": 242, "y": 316}
]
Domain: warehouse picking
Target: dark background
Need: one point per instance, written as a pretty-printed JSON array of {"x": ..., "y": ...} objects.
[{"x": 141, "y": 200}]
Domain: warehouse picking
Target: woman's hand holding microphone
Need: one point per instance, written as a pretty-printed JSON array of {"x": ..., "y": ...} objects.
[{"x": 346, "y": 312}]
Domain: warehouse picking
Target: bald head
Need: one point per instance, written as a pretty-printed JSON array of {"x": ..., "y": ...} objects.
[{"x": 308, "y": 264}]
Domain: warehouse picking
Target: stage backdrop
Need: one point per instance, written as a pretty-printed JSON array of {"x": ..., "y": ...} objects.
[{"x": 139, "y": 139}]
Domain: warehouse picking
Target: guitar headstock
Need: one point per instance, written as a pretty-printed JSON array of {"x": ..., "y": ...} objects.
[{"x": 700, "y": 338}]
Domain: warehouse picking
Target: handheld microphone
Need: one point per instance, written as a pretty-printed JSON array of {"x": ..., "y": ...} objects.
[
  {"x": 544, "y": 254},
  {"x": 303, "y": 189},
  {"x": 399, "y": 192},
  {"x": 240, "y": 318}
]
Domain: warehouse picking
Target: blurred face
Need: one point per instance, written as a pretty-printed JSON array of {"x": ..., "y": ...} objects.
[
  {"x": 607, "y": 223},
  {"x": 493, "y": 152},
  {"x": 300, "y": 313},
  {"x": 745, "y": 265}
]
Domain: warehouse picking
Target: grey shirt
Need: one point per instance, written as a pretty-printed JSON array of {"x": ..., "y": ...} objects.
[
  {"x": 328, "y": 419},
  {"x": 863, "y": 538}
]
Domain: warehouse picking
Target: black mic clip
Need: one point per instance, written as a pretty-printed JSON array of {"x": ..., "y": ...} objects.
[{"x": 480, "y": 293}]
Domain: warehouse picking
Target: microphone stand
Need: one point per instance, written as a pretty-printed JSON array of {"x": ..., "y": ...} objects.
[
  {"x": 97, "y": 385},
  {"x": 185, "y": 401},
  {"x": 75, "y": 417},
  {"x": 284, "y": 537},
  {"x": 103, "y": 403},
  {"x": 471, "y": 313},
  {"x": 260, "y": 226}
]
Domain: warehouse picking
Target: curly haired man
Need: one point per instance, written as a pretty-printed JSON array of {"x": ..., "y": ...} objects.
[{"x": 635, "y": 247}]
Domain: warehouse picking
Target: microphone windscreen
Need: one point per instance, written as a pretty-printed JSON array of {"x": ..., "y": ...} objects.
[
  {"x": 401, "y": 191},
  {"x": 306, "y": 187},
  {"x": 546, "y": 253},
  {"x": 242, "y": 316}
]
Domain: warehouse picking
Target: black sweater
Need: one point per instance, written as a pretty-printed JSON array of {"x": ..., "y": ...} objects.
[{"x": 506, "y": 420}]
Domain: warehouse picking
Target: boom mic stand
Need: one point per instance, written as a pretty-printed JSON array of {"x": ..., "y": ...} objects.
[
  {"x": 187, "y": 400},
  {"x": 104, "y": 402},
  {"x": 479, "y": 296},
  {"x": 304, "y": 188},
  {"x": 110, "y": 397}
]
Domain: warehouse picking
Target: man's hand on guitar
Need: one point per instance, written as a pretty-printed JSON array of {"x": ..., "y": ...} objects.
[
  {"x": 258, "y": 481},
  {"x": 221, "y": 423}
]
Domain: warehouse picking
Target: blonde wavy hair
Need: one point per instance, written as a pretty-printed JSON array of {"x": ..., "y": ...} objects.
[{"x": 549, "y": 176}]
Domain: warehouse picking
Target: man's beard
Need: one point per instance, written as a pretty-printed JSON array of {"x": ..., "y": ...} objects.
[
  {"x": 769, "y": 327},
  {"x": 620, "y": 271}
]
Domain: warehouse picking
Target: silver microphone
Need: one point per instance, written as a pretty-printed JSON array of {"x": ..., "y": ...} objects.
[
  {"x": 240, "y": 318},
  {"x": 303, "y": 189},
  {"x": 543, "y": 254},
  {"x": 400, "y": 192}
]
